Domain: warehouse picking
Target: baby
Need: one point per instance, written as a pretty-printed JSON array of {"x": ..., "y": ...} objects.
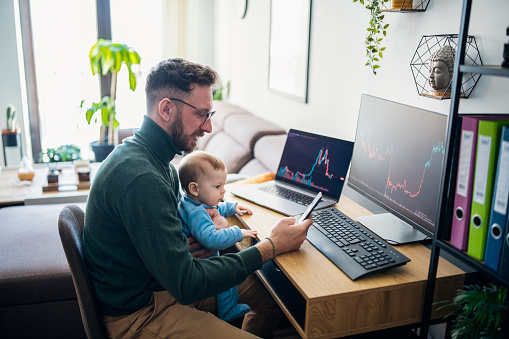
[{"x": 203, "y": 176}]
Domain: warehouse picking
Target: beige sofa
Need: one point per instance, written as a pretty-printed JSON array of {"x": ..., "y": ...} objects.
[
  {"x": 37, "y": 299},
  {"x": 248, "y": 144}
]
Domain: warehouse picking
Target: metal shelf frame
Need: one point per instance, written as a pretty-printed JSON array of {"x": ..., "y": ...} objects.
[{"x": 448, "y": 181}]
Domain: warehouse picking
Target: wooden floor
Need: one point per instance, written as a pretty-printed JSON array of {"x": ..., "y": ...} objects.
[{"x": 285, "y": 330}]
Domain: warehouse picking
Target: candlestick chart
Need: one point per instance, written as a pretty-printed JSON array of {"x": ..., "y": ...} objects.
[
  {"x": 315, "y": 162},
  {"x": 406, "y": 173}
]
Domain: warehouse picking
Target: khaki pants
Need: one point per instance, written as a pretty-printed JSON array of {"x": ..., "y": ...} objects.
[{"x": 164, "y": 317}]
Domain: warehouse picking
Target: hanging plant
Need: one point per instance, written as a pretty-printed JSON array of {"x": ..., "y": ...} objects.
[{"x": 374, "y": 51}]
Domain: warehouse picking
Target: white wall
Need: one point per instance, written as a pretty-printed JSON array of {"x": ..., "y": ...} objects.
[
  {"x": 10, "y": 81},
  {"x": 338, "y": 76},
  {"x": 239, "y": 51}
]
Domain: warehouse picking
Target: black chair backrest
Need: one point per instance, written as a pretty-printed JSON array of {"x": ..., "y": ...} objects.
[{"x": 70, "y": 227}]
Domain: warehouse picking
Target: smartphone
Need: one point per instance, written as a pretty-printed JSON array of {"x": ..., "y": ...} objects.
[{"x": 310, "y": 208}]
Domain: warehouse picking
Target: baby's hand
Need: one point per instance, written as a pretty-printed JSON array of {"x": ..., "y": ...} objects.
[
  {"x": 249, "y": 233},
  {"x": 241, "y": 210}
]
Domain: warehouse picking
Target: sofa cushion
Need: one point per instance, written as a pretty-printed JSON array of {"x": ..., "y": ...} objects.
[
  {"x": 267, "y": 153},
  {"x": 235, "y": 132},
  {"x": 247, "y": 129},
  {"x": 33, "y": 266},
  {"x": 233, "y": 154},
  {"x": 223, "y": 111}
]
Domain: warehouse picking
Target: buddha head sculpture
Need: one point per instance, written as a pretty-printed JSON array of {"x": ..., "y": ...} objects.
[{"x": 441, "y": 68}]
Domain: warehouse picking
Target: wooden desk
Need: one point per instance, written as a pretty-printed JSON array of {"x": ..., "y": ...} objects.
[
  {"x": 322, "y": 302},
  {"x": 14, "y": 192}
]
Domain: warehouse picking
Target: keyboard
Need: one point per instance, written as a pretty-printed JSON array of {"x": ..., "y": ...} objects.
[
  {"x": 288, "y": 194},
  {"x": 350, "y": 246}
]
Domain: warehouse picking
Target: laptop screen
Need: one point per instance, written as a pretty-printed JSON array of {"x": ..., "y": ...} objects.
[{"x": 315, "y": 162}]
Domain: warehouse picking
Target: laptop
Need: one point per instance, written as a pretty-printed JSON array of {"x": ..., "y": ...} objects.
[{"x": 310, "y": 163}]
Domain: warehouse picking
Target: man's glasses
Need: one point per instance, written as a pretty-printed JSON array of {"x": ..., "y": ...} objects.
[{"x": 206, "y": 114}]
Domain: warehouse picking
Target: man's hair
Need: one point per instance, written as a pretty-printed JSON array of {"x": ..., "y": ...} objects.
[
  {"x": 194, "y": 165},
  {"x": 175, "y": 77},
  {"x": 445, "y": 54}
]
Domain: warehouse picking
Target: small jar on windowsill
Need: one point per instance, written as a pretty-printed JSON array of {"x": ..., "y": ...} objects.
[
  {"x": 83, "y": 174},
  {"x": 53, "y": 176},
  {"x": 26, "y": 170}
]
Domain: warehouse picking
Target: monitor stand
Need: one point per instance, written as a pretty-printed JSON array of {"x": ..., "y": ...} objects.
[{"x": 390, "y": 228}]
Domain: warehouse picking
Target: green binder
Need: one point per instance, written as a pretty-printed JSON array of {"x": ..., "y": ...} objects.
[{"x": 488, "y": 140}]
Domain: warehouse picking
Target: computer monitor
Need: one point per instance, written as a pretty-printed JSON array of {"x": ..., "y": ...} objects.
[{"x": 397, "y": 163}]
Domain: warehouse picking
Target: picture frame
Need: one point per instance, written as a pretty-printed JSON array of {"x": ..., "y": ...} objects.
[{"x": 290, "y": 35}]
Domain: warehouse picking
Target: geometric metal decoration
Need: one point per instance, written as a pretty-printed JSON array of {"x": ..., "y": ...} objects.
[
  {"x": 404, "y": 6},
  {"x": 420, "y": 64}
]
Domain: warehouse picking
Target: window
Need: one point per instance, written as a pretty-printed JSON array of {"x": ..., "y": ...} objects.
[
  {"x": 61, "y": 43},
  {"x": 138, "y": 25},
  {"x": 60, "y": 47}
]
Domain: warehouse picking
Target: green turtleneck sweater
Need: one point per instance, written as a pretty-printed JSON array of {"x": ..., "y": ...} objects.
[{"x": 133, "y": 242}]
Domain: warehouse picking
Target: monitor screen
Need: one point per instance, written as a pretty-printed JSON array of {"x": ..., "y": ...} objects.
[
  {"x": 397, "y": 160},
  {"x": 315, "y": 162}
]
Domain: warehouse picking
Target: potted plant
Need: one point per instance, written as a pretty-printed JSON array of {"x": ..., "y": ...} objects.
[
  {"x": 60, "y": 154},
  {"x": 10, "y": 134},
  {"x": 481, "y": 312},
  {"x": 222, "y": 92},
  {"x": 376, "y": 27},
  {"x": 107, "y": 58},
  {"x": 52, "y": 156}
]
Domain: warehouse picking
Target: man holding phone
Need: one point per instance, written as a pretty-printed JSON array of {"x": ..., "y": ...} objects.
[{"x": 147, "y": 282}]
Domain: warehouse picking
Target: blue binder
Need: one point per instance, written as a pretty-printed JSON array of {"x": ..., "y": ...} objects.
[
  {"x": 499, "y": 205},
  {"x": 503, "y": 267}
]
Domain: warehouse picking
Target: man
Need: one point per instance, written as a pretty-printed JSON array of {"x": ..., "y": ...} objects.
[{"x": 147, "y": 282}]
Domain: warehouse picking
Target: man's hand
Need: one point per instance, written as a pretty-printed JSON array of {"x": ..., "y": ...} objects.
[
  {"x": 217, "y": 218},
  {"x": 201, "y": 252},
  {"x": 286, "y": 236}
]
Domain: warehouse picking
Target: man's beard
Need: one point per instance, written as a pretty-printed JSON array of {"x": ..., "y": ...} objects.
[{"x": 182, "y": 141}]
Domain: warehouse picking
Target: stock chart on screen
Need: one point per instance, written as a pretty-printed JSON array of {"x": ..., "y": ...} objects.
[
  {"x": 316, "y": 162},
  {"x": 398, "y": 156}
]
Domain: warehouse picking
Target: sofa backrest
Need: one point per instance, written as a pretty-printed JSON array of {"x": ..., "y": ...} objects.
[{"x": 235, "y": 132}]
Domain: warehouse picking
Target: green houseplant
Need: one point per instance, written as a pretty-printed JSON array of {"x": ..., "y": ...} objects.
[
  {"x": 11, "y": 131},
  {"x": 52, "y": 156},
  {"x": 60, "y": 154},
  {"x": 107, "y": 58},
  {"x": 481, "y": 312},
  {"x": 11, "y": 118},
  {"x": 222, "y": 92},
  {"x": 373, "y": 38}
]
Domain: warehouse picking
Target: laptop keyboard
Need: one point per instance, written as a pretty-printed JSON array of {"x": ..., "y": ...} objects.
[
  {"x": 351, "y": 247},
  {"x": 288, "y": 194}
]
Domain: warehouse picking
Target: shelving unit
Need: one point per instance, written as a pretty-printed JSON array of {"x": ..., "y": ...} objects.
[
  {"x": 407, "y": 6},
  {"x": 449, "y": 178},
  {"x": 421, "y": 62}
]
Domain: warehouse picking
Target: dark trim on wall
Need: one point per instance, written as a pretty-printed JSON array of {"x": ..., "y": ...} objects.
[{"x": 104, "y": 32}]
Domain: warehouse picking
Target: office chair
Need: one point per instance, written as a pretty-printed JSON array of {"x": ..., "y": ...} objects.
[{"x": 70, "y": 227}]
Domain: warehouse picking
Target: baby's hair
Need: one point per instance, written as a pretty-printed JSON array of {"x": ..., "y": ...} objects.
[{"x": 194, "y": 165}]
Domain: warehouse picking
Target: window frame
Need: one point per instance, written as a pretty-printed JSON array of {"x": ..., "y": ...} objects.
[{"x": 103, "y": 17}]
